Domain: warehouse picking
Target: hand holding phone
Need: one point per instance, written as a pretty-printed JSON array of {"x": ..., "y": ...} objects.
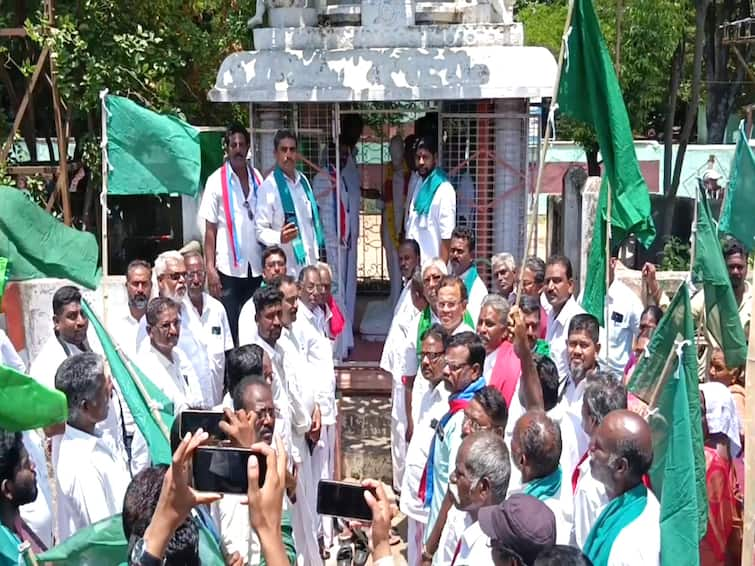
[
  {"x": 289, "y": 232},
  {"x": 343, "y": 499},
  {"x": 224, "y": 470},
  {"x": 190, "y": 421}
]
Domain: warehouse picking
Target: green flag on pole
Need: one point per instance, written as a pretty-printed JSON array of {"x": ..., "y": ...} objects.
[
  {"x": 666, "y": 378},
  {"x": 150, "y": 153},
  {"x": 26, "y": 404},
  {"x": 3, "y": 275},
  {"x": 38, "y": 245},
  {"x": 721, "y": 311},
  {"x": 589, "y": 92},
  {"x": 102, "y": 542},
  {"x": 737, "y": 218},
  {"x": 154, "y": 430}
]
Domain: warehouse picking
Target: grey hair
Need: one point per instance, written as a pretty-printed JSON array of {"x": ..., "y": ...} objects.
[
  {"x": 498, "y": 304},
  {"x": 505, "y": 259},
  {"x": 79, "y": 377},
  {"x": 322, "y": 266},
  {"x": 488, "y": 457},
  {"x": 307, "y": 270},
  {"x": 604, "y": 393},
  {"x": 436, "y": 262},
  {"x": 161, "y": 262}
]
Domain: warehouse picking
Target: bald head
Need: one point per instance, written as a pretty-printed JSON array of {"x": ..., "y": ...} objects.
[
  {"x": 536, "y": 445},
  {"x": 621, "y": 451}
]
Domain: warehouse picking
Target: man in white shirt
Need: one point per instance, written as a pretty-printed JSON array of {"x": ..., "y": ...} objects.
[
  {"x": 91, "y": 478},
  {"x": 461, "y": 264},
  {"x": 228, "y": 207},
  {"x": 603, "y": 394},
  {"x": 8, "y": 354},
  {"x": 559, "y": 286},
  {"x": 211, "y": 319},
  {"x": 536, "y": 451},
  {"x": 432, "y": 406},
  {"x": 582, "y": 348},
  {"x": 170, "y": 271},
  {"x": 319, "y": 359},
  {"x": 287, "y": 212},
  {"x": 503, "y": 266},
  {"x": 338, "y": 328},
  {"x": 394, "y": 355},
  {"x": 273, "y": 266},
  {"x": 621, "y": 452},
  {"x": 624, "y": 312},
  {"x": 129, "y": 332},
  {"x": 431, "y": 216},
  {"x": 481, "y": 478}
]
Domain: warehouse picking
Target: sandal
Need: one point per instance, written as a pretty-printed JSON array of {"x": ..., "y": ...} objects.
[
  {"x": 344, "y": 556},
  {"x": 361, "y": 548},
  {"x": 324, "y": 553}
]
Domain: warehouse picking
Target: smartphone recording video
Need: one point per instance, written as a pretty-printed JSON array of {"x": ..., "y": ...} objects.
[
  {"x": 208, "y": 421},
  {"x": 341, "y": 499},
  {"x": 224, "y": 470}
]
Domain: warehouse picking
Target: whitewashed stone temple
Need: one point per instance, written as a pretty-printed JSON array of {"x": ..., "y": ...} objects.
[{"x": 457, "y": 70}]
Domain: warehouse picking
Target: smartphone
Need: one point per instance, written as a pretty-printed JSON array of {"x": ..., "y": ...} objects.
[
  {"x": 221, "y": 469},
  {"x": 289, "y": 218},
  {"x": 208, "y": 421},
  {"x": 342, "y": 499}
]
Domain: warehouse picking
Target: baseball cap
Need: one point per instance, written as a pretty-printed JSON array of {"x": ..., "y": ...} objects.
[{"x": 522, "y": 524}]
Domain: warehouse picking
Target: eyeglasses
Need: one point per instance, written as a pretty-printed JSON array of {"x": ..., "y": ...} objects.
[
  {"x": 432, "y": 356},
  {"x": 473, "y": 425},
  {"x": 195, "y": 275},
  {"x": 176, "y": 275},
  {"x": 249, "y": 212},
  {"x": 267, "y": 413},
  {"x": 456, "y": 367}
]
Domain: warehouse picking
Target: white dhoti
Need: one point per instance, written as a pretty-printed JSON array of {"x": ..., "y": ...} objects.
[
  {"x": 304, "y": 511},
  {"x": 415, "y": 535},
  {"x": 323, "y": 461},
  {"x": 398, "y": 433}
]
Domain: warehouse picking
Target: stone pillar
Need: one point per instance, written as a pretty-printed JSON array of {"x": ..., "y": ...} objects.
[
  {"x": 590, "y": 193},
  {"x": 510, "y": 212},
  {"x": 269, "y": 119},
  {"x": 571, "y": 227}
]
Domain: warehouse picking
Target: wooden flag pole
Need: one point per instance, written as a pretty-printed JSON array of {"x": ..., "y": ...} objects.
[
  {"x": 749, "y": 510},
  {"x": 607, "y": 314},
  {"x": 104, "y": 247},
  {"x": 544, "y": 148}
]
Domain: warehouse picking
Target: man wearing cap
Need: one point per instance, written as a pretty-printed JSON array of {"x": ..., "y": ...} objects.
[
  {"x": 628, "y": 530},
  {"x": 481, "y": 478},
  {"x": 520, "y": 528},
  {"x": 536, "y": 452}
]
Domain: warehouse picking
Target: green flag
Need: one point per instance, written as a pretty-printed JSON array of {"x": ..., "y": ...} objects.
[
  {"x": 150, "y": 153},
  {"x": 26, "y": 404},
  {"x": 737, "y": 219},
  {"x": 3, "y": 274},
  {"x": 157, "y": 441},
  {"x": 102, "y": 542},
  {"x": 589, "y": 92},
  {"x": 213, "y": 153},
  {"x": 666, "y": 378},
  {"x": 38, "y": 245},
  {"x": 721, "y": 311}
]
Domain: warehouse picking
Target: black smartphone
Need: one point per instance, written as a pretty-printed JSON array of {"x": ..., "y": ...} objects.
[
  {"x": 341, "y": 499},
  {"x": 221, "y": 469},
  {"x": 289, "y": 218},
  {"x": 208, "y": 421}
]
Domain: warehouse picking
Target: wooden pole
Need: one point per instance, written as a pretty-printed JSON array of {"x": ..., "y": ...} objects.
[
  {"x": 103, "y": 194},
  {"x": 544, "y": 148},
  {"x": 62, "y": 135},
  {"x": 749, "y": 511},
  {"x": 607, "y": 314}
]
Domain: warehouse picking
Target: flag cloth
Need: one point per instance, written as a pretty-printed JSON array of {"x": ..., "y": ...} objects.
[
  {"x": 666, "y": 378},
  {"x": 150, "y": 153},
  {"x": 212, "y": 153},
  {"x": 589, "y": 92},
  {"x": 721, "y": 311},
  {"x": 26, "y": 404},
  {"x": 3, "y": 274},
  {"x": 737, "y": 219},
  {"x": 102, "y": 542},
  {"x": 37, "y": 245},
  {"x": 157, "y": 442}
]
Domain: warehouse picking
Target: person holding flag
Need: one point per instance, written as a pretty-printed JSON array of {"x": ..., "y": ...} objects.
[
  {"x": 228, "y": 206},
  {"x": 431, "y": 217},
  {"x": 287, "y": 211}
]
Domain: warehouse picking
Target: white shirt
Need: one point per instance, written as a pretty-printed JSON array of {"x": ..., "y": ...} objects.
[
  {"x": 280, "y": 392},
  {"x": 174, "y": 377},
  {"x": 129, "y": 333},
  {"x": 624, "y": 312},
  {"x": 562, "y": 511},
  {"x": 475, "y": 295},
  {"x": 318, "y": 355},
  {"x": 640, "y": 541},
  {"x": 572, "y": 394},
  {"x": 457, "y": 522},
  {"x": 270, "y": 219},
  {"x": 558, "y": 333},
  {"x": 574, "y": 441},
  {"x": 38, "y": 513},
  {"x": 8, "y": 355},
  {"x": 91, "y": 481},
  {"x": 398, "y": 343},
  {"x": 433, "y": 406},
  {"x": 215, "y": 332},
  {"x": 247, "y": 323},
  {"x": 212, "y": 210},
  {"x": 475, "y": 547},
  {"x": 438, "y": 224},
  {"x": 589, "y": 500},
  {"x": 300, "y": 387},
  {"x": 235, "y": 531}
]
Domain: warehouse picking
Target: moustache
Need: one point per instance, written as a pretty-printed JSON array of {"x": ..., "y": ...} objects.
[{"x": 138, "y": 301}]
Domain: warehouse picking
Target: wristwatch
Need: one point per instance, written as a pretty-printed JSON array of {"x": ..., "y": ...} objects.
[{"x": 140, "y": 556}]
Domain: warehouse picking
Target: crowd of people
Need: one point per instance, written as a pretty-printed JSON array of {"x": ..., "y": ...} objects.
[{"x": 514, "y": 440}]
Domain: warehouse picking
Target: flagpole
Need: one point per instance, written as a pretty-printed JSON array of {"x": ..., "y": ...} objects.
[
  {"x": 103, "y": 205},
  {"x": 607, "y": 314},
  {"x": 693, "y": 235},
  {"x": 749, "y": 510},
  {"x": 544, "y": 149}
]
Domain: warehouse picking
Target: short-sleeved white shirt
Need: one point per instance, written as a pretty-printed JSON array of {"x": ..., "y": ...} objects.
[
  {"x": 558, "y": 333},
  {"x": 438, "y": 224},
  {"x": 212, "y": 210},
  {"x": 625, "y": 310}
]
